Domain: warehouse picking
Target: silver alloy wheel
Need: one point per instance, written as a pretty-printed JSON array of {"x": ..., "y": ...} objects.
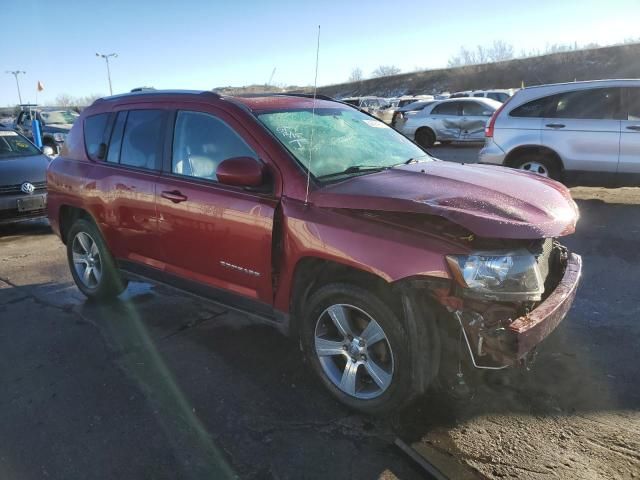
[
  {"x": 535, "y": 167},
  {"x": 354, "y": 351},
  {"x": 86, "y": 260}
]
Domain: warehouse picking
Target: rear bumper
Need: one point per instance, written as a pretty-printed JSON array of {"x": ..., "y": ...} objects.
[{"x": 491, "y": 154}]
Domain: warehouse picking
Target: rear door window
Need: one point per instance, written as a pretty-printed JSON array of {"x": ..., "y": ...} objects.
[
  {"x": 446, "y": 108},
  {"x": 594, "y": 103},
  {"x": 474, "y": 109},
  {"x": 94, "y": 131},
  {"x": 142, "y": 139},
  {"x": 633, "y": 104},
  {"x": 115, "y": 143},
  {"x": 533, "y": 109}
]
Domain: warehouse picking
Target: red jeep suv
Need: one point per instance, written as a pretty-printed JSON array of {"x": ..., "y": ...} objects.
[{"x": 322, "y": 221}]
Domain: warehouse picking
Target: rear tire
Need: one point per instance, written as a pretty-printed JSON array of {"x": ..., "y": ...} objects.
[
  {"x": 539, "y": 164},
  {"x": 425, "y": 137},
  {"x": 92, "y": 266},
  {"x": 357, "y": 345}
]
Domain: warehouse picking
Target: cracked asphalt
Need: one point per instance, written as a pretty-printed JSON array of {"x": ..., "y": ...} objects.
[{"x": 160, "y": 384}]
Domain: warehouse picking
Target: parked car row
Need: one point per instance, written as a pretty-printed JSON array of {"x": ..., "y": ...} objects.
[{"x": 389, "y": 110}]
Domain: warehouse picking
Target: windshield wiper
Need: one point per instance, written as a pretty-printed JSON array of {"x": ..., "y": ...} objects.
[{"x": 356, "y": 169}]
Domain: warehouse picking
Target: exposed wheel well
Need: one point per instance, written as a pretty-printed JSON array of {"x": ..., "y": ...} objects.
[
  {"x": 406, "y": 297},
  {"x": 313, "y": 273},
  {"x": 68, "y": 215},
  {"x": 546, "y": 152}
]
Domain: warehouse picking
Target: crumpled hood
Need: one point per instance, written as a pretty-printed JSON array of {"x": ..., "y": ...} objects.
[{"x": 490, "y": 201}]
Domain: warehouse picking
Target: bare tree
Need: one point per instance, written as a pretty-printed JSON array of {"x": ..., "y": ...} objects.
[
  {"x": 88, "y": 100},
  {"x": 64, "y": 100},
  {"x": 497, "y": 52},
  {"x": 385, "y": 71},
  {"x": 356, "y": 75},
  {"x": 500, "y": 51}
]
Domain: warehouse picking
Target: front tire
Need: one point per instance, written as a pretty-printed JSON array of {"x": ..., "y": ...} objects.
[
  {"x": 357, "y": 345},
  {"x": 92, "y": 266}
]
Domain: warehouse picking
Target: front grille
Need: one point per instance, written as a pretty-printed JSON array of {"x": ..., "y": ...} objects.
[{"x": 16, "y": 189}]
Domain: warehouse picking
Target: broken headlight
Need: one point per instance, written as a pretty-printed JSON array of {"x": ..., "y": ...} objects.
[{"x": 498, "y": 275}]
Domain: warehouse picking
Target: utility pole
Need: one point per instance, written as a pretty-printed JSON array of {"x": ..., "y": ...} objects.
[
  {"x": 15, "y": 73},
  {"x": 106, "y": 59}
]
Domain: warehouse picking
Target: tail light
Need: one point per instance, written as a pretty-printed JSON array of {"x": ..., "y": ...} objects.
[{"x": 488, "y": 130}]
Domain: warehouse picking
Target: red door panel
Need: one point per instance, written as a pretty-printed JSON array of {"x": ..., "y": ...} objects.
[
  {"x": 212, "y": 234},
  {"x": 208, "y": 232},
  {"x": 128, "y": 212}
]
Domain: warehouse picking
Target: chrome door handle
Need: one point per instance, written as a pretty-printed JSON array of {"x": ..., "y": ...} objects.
[
  {"x": 635, "y": 128},
  {"x": 554, "y": 125},
  {"x": 175, "y": 196}
]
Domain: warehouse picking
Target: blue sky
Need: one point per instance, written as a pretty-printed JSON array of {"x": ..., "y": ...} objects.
[{"x": 204, "y": 44}]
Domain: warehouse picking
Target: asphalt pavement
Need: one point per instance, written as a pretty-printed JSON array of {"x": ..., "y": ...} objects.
[{"x": 159, "y": 384}]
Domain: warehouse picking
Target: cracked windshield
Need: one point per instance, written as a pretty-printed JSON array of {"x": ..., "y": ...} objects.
[{"x": 363, "y": 241}]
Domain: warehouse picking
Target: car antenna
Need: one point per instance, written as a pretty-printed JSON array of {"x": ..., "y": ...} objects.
[{"x": 313, "y": 117}]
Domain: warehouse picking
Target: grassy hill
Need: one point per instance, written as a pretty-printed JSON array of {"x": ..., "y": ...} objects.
[{"x": 620, "y": 61}]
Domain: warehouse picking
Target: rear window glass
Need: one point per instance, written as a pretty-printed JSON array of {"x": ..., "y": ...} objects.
[
  {"x": 141, "y": 142},
  {"x": 94, "y": 127},
  {"x": 595, "y": 103}
]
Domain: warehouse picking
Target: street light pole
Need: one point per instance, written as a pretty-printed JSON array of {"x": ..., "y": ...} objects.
[
  {"x": 15, "y": 73},
  {"x": 106, "y": 59}
]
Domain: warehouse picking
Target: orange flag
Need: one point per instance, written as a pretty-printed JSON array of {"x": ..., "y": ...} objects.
[{"x": 40, "y": 86}]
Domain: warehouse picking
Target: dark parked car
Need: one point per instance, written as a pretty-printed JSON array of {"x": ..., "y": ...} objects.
[
  {"x": 23, "y": 167},
  {"x": 55, "y": 125},
  {"x": 324, "y": 222}
]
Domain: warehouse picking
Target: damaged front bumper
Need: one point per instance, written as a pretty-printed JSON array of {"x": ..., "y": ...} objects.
[{"x": 509, "y": 342}]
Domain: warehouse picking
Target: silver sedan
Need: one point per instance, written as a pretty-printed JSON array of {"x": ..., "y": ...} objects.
[{"x": 451, "y": 120}]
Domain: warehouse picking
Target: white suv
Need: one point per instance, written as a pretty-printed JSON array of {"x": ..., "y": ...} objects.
[{"x": 580, "y": 132}]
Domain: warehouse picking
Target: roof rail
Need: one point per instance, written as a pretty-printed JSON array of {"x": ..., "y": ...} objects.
[
  {"x": 149, "y": 93},
  {"x": 283, "y": 94},
  {"x": 309, "y": 95}
]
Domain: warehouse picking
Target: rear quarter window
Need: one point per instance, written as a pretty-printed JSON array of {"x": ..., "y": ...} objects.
[{"x": 94, "y": 128}]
